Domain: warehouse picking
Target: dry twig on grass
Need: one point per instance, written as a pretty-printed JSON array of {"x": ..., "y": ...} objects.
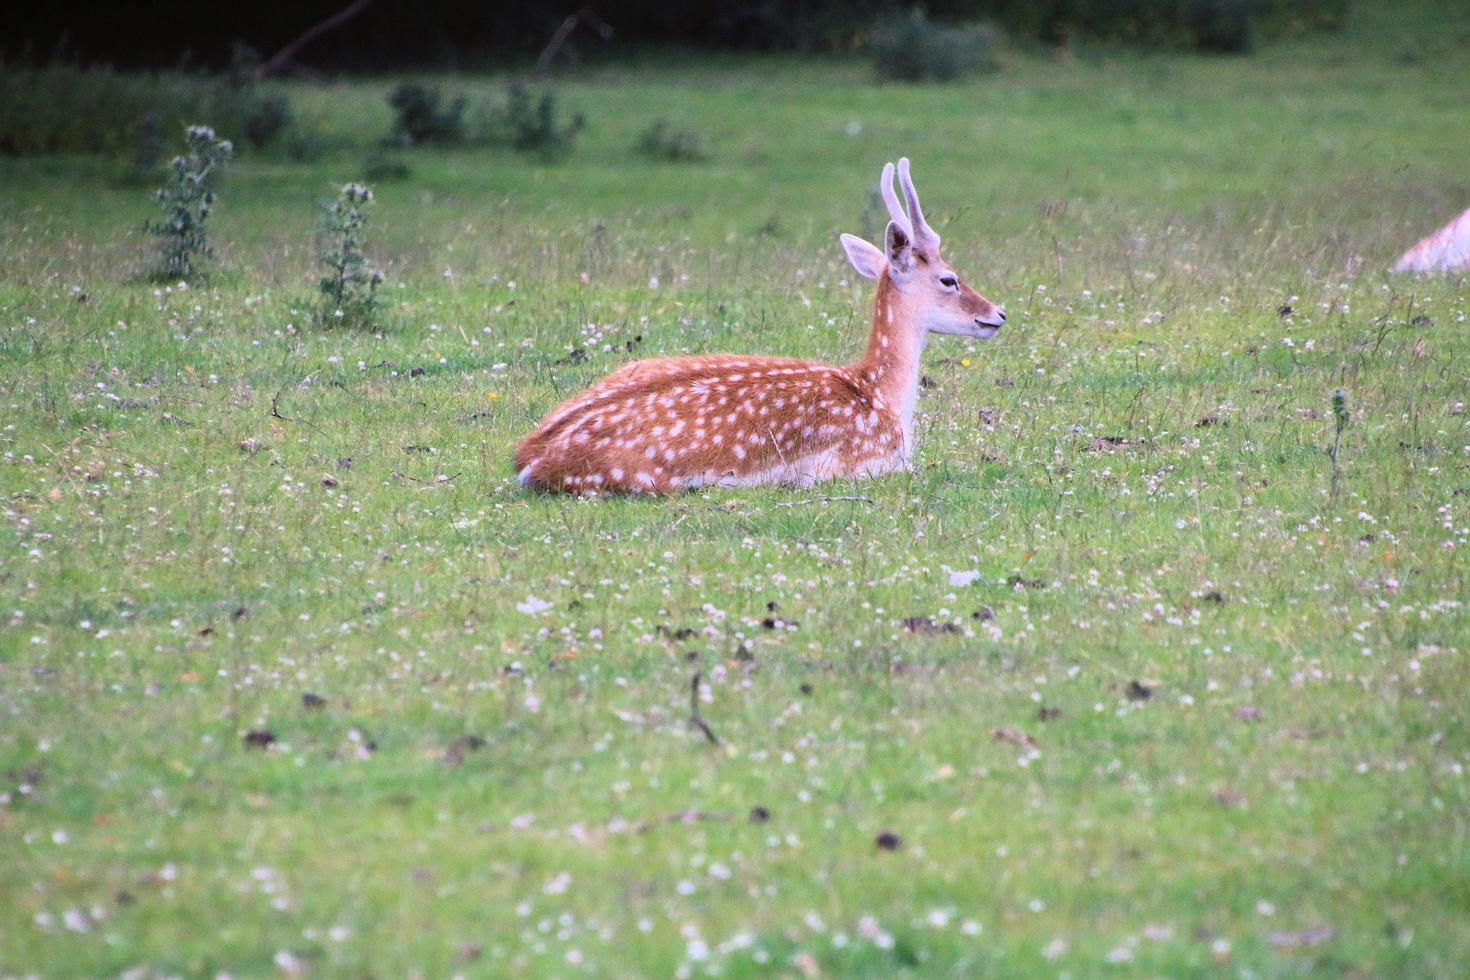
[
  {"x": 823, "y": 500},
  {"x": 695, "y": 718}
]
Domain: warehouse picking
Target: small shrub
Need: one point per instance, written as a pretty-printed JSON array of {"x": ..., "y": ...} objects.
[
  {"x": 532, "y": 122},
  {"x": 663, "y": 141},
  {"x": 911, "y": 48},
  {"x": 422, "y": 116},
  {"x": 265, "y": 119},
  {"x": 380, "y": 166},
  {"x": 187, "y": 199},
  {"x": 527, "y": 121},
  {"x": 149, "y": 144},
  {"x": 349, "y": 289},
  {"x": 244, "y": 60},
  {"x": 305, "y": 146},
  {"x": 261, "y": 118}
]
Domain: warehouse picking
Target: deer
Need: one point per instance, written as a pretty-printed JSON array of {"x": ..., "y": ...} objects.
[{"x": 665, "y": 425}]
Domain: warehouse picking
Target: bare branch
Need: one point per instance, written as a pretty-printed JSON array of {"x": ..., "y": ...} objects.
[
  {"x": 694, "y": 717},
  {"x": 278, "y": 61},
  {"x": 276, "y": 412},
  {"x": 822, "y": 500},
  {"x": 564, "y": 32}
]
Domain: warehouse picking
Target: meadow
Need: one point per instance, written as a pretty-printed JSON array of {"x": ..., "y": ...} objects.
[{"x": 1127, "y": 676}]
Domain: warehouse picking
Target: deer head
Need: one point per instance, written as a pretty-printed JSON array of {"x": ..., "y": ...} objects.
[{"x": 931, "y": 294}]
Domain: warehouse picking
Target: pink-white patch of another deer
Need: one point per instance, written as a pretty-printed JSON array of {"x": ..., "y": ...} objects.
[
  {"x": 677, "y": 423},
  {"x": 1447, "y": 250}
]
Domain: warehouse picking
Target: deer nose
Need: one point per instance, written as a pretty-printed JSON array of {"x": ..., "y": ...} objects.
[{"x": 997, "y": 317}]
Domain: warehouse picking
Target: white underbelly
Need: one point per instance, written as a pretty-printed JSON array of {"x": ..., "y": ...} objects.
[{"x": 804, "y": 471}]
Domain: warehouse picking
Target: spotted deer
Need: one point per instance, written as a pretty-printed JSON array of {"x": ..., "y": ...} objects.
[{"x": 669, "y": 424}]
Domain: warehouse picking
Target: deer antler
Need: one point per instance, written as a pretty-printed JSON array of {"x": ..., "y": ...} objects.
[
  {"x": 895, "y": 210},
  {"x": 924, "y": 236}
]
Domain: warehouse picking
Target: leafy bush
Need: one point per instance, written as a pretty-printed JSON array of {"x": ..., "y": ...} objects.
[
  {"x": 910, "y": 48},
  {"x": 262, "y": 117},
  {"x": 664, "y": 141},
  {"x": 65, "y": 108},
  {"x": 187, "y": 200},
  {"x": 149, "y": 144},
  {"x": 349, "y": 290},
  {"x": 381, "y": 166},
  {"x": 304, "y": 146},
  {"x": 423, "y": 117},
  {"x": 265, "y": 118},
  {"x": 526, "y": 120},
  {"x": 531, "y": 122}
]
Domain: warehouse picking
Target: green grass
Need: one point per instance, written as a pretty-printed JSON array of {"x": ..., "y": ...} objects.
[{"x": 1135, "y": 467}]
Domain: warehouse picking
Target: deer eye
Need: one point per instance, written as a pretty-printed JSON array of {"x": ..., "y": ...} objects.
[{"x": 948, "y": 282}]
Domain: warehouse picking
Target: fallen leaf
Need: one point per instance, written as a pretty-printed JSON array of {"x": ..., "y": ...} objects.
[
  {"x": 259, "y": 738},
  {"x": 681, "y": 816},
  {"x": 927, "y": 626},
  {"x": 1015, "y": 736},
  {"x": 1308, "y": 937},
  {"x": 461, "y": 747},
  {"x": 1229, "y": 797}
]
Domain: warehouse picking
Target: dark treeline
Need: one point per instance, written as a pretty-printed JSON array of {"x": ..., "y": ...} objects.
[{"x": 392, "y": 34}]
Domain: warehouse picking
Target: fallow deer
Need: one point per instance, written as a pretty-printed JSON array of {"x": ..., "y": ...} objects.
[{"x": 669, "y": 424}]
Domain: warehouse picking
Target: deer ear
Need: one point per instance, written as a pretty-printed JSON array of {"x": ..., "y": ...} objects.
[
  {"x": 864, "y": 256},
  {"x": 900, "y": 248}
]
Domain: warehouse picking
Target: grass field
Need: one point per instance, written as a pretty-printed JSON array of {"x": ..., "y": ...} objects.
[{"x": 1201, "y": 708}]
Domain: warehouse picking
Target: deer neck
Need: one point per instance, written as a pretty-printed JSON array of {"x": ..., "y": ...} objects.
[{"x": 891, "y": 365}]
